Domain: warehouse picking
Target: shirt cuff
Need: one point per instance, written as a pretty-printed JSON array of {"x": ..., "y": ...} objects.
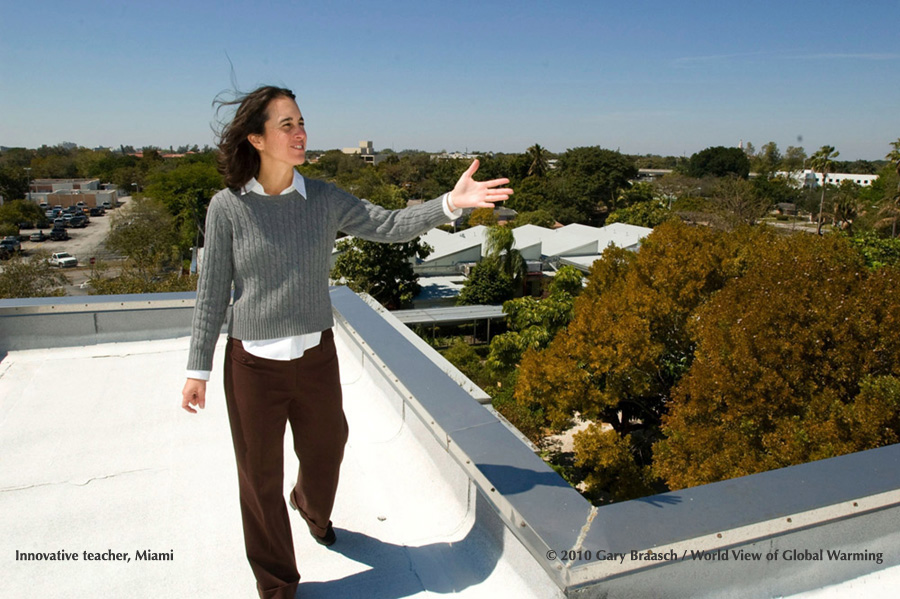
[
  {"x": 451, "y": 214},
  {"x": 202, "y": 375}
]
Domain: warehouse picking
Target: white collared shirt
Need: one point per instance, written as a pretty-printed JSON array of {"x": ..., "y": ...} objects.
[{"x": 291, "y": 348}]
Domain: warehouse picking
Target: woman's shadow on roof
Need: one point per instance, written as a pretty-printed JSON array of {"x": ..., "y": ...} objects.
[{"x": 396, "y": 571}]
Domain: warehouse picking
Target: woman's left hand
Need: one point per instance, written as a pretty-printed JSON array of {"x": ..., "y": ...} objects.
[{"x": 469, "y": 193}]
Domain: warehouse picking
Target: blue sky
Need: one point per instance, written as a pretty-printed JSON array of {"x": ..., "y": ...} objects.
[{"x": 644, "y": 77}]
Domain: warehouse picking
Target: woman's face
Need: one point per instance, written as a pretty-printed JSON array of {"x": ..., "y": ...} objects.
[{"x": 284, "y": 138}]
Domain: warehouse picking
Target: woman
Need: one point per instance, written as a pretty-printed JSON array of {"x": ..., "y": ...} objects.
[{"x": 269, "y": 234}]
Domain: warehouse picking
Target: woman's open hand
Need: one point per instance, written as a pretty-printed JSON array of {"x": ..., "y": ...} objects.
[{"x": 470, "y": 193}]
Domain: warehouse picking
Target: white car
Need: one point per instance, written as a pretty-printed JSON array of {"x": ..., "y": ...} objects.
[{"x": 63, "y": 260}]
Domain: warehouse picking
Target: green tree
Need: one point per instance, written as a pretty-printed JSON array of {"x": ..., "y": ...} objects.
[
  {"x": 486, "y": 284},
  {"x": 31, "y": 278},
  {"x": 767, "y": 160},
  {"x": 533, "y": 322},
  {"x": 13, "y": 182},
  {"x": 640, "y": 206},
  {"x": 540, "y": 218},
  {"x": 538, "y": 161},
  {"x": 822, "y": 162},
  {"x": 383, "y": 270},
  {"x": 793, "y": 160},
  {"x": 17, "y": 211},
  {"x": 891, "y": 208},
  {"x": 719, "y": 161},
  {"x": 146, "y": 235},
  {"x": 590, "y": 180},
  {"x": 845, "y": 205},
  {"x": 500, "y": 245},
  {"x": 185, "y": 187}
]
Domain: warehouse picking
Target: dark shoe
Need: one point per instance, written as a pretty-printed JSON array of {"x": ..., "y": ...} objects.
[{"x": 328, "y": 539}]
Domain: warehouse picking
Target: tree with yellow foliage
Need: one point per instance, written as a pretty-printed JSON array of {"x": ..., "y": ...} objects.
[{"x": 796, "y": 360}]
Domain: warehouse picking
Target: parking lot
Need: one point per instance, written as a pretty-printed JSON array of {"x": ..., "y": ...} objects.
[{"x": 84, "y": 244}]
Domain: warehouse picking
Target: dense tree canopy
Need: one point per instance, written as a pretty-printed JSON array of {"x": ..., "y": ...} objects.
[
  {"x": 779, "y": 347},
  {"x": 719, "y": 161},
  {"x": 796, "y": 360}
]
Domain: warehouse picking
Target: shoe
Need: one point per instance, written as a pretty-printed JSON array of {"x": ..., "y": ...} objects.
[{"x": 328, "y": 538}]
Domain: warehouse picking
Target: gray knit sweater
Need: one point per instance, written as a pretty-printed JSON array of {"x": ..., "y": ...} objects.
[{"x": 276, "y": 251}]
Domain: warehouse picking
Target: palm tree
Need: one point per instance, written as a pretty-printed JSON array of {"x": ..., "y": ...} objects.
[
  {"x": 538, "y": 156},
  {"x": 892, "y": 208},
  {"x": 499, "y": 246},
  {"x": 821, "y": 162}
]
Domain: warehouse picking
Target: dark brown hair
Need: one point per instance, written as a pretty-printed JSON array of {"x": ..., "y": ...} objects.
[{"x": 238, "y": 159}]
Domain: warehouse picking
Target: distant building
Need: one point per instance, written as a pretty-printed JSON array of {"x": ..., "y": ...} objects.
[
  {"x": 365, "y": 151},
  {"x": 68, "y": 192},
  {"x": 812, "y": 179}
]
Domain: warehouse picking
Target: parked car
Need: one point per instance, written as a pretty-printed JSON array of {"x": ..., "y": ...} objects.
[
  {"x": 63, "y": 260},
  {"x": 12, "y": 243},
  {"x": 78, "y": 221},
  {"x": 98, "y": 211},
  {"x": 106, "y": 205},
  {"x": 39, "y": 236},
  {"x": 59, "y": 234}
]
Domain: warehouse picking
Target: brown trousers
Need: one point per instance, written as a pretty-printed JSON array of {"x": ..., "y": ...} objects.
[{"x": 262, "y": 396}]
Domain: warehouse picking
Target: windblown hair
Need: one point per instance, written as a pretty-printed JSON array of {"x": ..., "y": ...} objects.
[{"x": 238, "y": 159}]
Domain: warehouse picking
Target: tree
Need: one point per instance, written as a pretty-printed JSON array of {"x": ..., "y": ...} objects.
[
  {"x": 533, "y": 322},
  {"x": 796, "y": 360},
  {"x": 17, "y": 211},
  {"x": 591, "y": 178},
  {"x": 822, "y": 162},
  {"x": 486, "y": 284},
  {"x": 737, "y": 203},
  {"x": 185, "y": 188},
  {"x": 719, "y": 161},
  {"x": 846, "y": 204},
  {"x": 892, "y": 206},
  {"x": 499, "y": 274},
  {"x": 146, "y": 235},
  {"x": 538, "y": 161},
  {"x": 13, "y": 182},
  {"x": 793, "y": 160},
  {"x": 628, "y": 342},
  {"x": 539, "y": 218},
  {"x": 650, "y": 214},
  {"x": 500, "y": 245},
  {"x": 31, "y": 278},
  {"x": 482, "y": 216},
  {"x": 768, "y": 159},
  {"x": 383, "y": 270}
]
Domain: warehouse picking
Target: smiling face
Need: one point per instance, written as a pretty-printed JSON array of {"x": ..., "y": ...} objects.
[{"x": 284, "y": 138}]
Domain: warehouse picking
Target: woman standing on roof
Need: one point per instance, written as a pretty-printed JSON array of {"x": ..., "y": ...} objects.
[{"x": 269, "y": 234}]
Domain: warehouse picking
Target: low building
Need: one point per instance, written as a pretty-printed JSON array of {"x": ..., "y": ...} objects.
[{"x": 812, "y": 179}]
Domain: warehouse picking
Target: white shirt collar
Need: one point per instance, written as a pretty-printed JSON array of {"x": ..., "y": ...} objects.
[{"x": 298, "y": 183}]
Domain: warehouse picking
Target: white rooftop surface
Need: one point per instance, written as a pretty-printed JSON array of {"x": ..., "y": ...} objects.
[
  {"x": 576, "y": 239},
  {"x": 98, "y": 455},
  {"x": 447, "y": 244}
]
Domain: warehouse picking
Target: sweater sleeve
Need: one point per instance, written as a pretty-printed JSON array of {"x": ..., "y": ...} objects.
[
  {"x": 213, "y": 287},
  {"x": 368, "y": 221}
]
